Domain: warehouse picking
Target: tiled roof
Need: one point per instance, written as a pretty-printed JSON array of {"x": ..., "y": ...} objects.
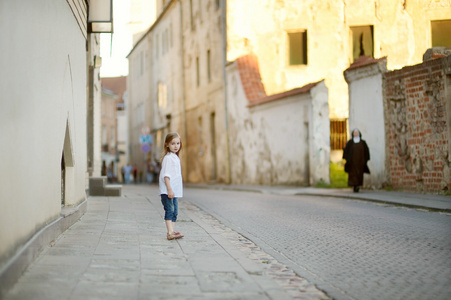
[
  {"x": 252, "y": 83},
  {"x": 118, "y": 85},
  {"x": 250, "y": 77},
  {"x": 364, "y": 61},
  {"x": 305, "y": 89}
]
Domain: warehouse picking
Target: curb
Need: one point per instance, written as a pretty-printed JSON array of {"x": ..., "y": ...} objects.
[{"x": 356, "y": 196}]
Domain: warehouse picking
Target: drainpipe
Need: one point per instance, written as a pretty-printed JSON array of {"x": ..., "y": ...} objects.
[{"x": 224, "y": 64}]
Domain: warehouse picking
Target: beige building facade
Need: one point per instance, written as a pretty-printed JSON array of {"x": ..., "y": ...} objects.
[
  {"x": 296, "y": 43},
  {"x": 175, "y": 84},
  {"x": 330, "y": 35},
  {"x": 113, "y": 137}
]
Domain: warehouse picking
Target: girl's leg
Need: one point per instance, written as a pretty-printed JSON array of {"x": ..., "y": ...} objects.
[
  {"x": 175, "y": 202},
  {"x": 168, "y": 213},
  {"x": 170, "y": 226}
]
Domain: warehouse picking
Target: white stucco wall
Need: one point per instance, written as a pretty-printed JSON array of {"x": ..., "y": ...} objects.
[
  {"x": 367, "y": 114},
  {"x": 283, "y": 142},
  {"x": 319, "y": 141},
  {"x": 43, "y": 88}
]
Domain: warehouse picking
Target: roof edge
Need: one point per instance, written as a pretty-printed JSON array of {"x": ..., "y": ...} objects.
[
  {"x": 160, "y": 17},
  {"x": 296, "y": 91}
]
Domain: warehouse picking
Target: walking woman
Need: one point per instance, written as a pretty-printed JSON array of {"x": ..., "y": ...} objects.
[{"x": 356, "y": 154}]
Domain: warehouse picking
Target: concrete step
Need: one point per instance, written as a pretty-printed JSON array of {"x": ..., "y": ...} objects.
[
  {"x": 97, "y": 186},
  {"x": 113, "y": 190},
  {"x": 98, "y": 181}
]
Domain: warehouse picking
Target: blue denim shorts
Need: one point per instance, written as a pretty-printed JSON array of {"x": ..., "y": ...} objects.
[{"x": 171, "y": 207}]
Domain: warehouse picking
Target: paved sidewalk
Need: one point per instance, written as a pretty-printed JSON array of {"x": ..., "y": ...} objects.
[
  {"x": 413, "y": 200},
  {"x": 119, "y": 250}
]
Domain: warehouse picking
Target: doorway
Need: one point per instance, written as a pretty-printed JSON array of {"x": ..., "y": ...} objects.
[
  {"x": 67, "y": 171},
  {"x": 63, "y": 180}
]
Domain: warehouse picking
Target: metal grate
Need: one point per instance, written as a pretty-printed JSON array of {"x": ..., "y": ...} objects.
[{"x": 338, "y": 136}]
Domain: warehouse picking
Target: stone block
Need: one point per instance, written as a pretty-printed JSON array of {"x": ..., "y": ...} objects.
[
  {"x": 97, "y": 186},
  {"x": 113, "y": 190}
]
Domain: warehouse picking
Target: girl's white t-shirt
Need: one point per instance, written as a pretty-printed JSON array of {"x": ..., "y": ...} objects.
[{"x": 171, "y": 167}]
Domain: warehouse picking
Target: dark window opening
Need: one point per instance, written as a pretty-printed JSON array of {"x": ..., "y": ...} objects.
[
  {"x": 441, "y": 33},
  {"x": 362, "y": 41},
  {"x": 298, "y": 47},
  {"x": 63, "y": 180},
  {"x": 191, "y": 17},
  {"x": 208, "y": 66},
  {"x": 197, "y": 71}
]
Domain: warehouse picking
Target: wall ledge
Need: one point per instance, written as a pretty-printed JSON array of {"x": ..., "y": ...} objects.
[{"x": 18, "y": 263}]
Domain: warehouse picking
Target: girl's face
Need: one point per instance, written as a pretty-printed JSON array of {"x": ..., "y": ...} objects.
[{"x": 174, "y": 145}]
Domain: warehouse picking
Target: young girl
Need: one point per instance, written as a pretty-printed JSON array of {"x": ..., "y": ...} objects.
[{"x": 171, "y": 185}]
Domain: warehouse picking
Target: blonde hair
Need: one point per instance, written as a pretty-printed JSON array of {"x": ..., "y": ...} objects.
[{"x": 169, "y": 137}]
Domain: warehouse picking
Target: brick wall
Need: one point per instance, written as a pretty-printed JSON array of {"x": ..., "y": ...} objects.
[{"x": 416, "y": 125}]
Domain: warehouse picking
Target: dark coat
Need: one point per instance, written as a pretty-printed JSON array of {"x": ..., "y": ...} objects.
[{"x": 357, "y": 156}]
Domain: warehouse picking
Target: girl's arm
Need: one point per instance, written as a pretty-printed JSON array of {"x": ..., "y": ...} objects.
[{"x": 167, "y": 181}]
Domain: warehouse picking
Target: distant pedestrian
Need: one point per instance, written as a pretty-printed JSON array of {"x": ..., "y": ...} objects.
[
  {"x": 123, "y": 174},
  {"x": 104, "y": 169},
  {"x": 150, "y": 169},
  {"x": 127, "y": 173},
  {"x": 156, "y": 171},
  {"x": 109, "y": 172},
  {"x": 135, "y": 173},
  {"x": 171, "y": 183},
  {"x": 356, "y": 154}
]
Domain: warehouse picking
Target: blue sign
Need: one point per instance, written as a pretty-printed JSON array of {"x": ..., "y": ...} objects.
[
  {"x": 145, "y": 148},
  {"x": 145, "y": 139}
]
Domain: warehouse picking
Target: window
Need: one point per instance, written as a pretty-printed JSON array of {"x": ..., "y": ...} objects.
[
  {"x": 362, "y": 41},
  {"x": 165, "y": 41},
  {"x": 170, "y": 35},
  {"x": 112, "y": 137},
  {"x": 197, "y": 72},
  {"x": 200, "y": 133},
  {"x": 139, "y": 113},
  {"x": 191, "y": 14},
  {"x": 141, "y": 62},
  {"x": 104, "y": 135},
  {"x": 208, "y": 66},
  {"x": 441, "y": 33},
  {"x": 156, "y": 46},
  {"x": 162, "y": 95},
  {"x": 338, "y": 134},
  {"x": 297, "y": 48}
]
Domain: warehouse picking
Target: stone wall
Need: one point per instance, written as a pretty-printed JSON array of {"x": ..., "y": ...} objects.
[{"x": 417, "y": 114}]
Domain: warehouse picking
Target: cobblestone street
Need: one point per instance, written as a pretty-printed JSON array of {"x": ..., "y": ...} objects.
[{"x": 351, "y": 249}]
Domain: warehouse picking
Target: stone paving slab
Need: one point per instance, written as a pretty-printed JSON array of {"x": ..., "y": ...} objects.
[{"x": 119, "y": 250}]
